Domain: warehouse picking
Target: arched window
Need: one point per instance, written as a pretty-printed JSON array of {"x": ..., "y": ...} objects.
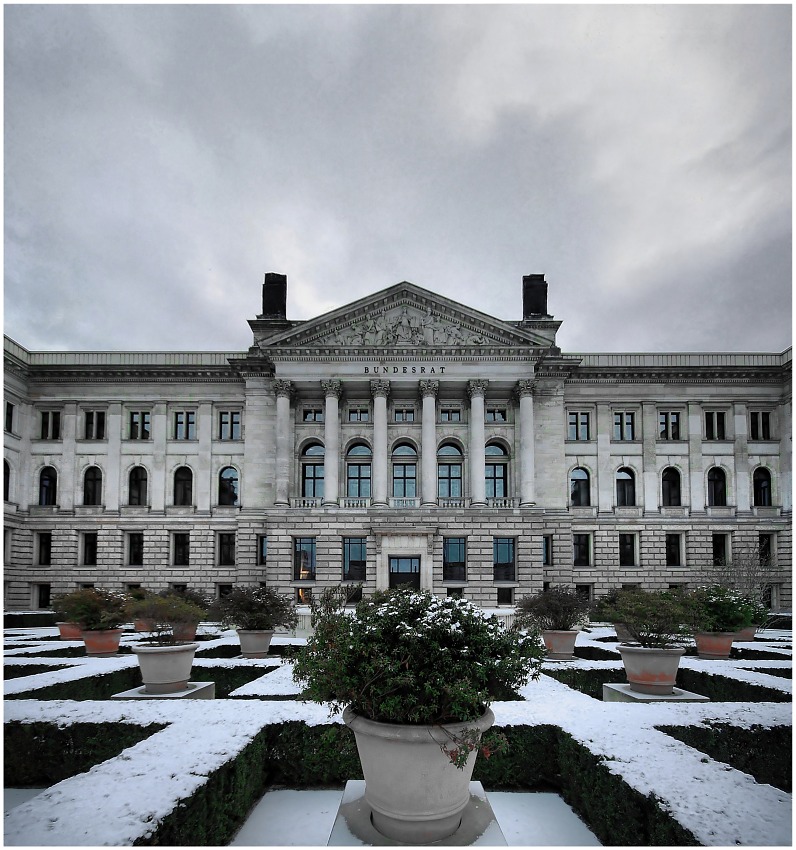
[
  {"x": 579, "y": 489},
  {"x": 312, "y": 469},
  {"x": 92, "y": 486},
  {"x": 449, "y": 471},
  {"x": 358, "y": 459},
  {"x": 761, "y": 484},
  {"x": 228, "y": 486},
  {"x": 625, "y": 487},
  {"x": 183, "y": 486},
  {"x": 670, "y": 487},
  {"x": 404, "y": 471},
  {"x": 6, "y": 482},
  {"x": 496, "y": 471},
  {"x": 138, "y": 486},
  {"x": 48, "y": 485},
  {"x": 717, "y": 487}
]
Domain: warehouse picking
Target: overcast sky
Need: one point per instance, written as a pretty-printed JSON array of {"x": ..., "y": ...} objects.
[{"x": 160, "y": 159}]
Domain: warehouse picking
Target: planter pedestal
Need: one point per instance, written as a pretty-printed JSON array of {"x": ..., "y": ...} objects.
[
  {"x": 617, "y": 692},
  {"x": 193, "y": 690},
  {"x": 353, "y": 825}
]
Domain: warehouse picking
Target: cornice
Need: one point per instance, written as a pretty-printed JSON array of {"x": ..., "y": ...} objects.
[
  {"x": 132, "y": 374},
  {"x": 727, "y": 376}
]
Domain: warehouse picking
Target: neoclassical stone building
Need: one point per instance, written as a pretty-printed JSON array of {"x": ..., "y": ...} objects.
[{"x": 403, "y": 437}]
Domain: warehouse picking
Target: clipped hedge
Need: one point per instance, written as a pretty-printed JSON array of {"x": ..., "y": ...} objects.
[
  {"x": 764, "y": 752},
  {"x": 37, "y": 755},
  {"x": 17, "y": 671}
]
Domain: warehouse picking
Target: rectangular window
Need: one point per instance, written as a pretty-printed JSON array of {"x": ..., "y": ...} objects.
[
  {"x": 765, "y": 549},
  {"x": 714, "y": 425},
  {"x": 45, "y": 547},
  {"x": 90, "y": 548},
  {"x": 458, "y": 592},
  {"x": 759, "y": 425},
  {"x": 9, "y": 417},
  {"x": 578, "y": 425},
  {"x": 312, "y": 414},
  {"x": 229, "y": 425},
  {"x": 624, "y": 425},
  {"x": 674, "y": 557},
  {"x": 303, "y": 595},
  {"x": 354, "y": 558},
  {"x": 450, "y": 414},
  {"x": 496, "y": 414},
  {"x": 226, "y": 549},
  {"x": 454, "y": 559},
  {"x": 303, "y": 559},
  {"x": 358, "y": 414},
  {"x": 223, "y": 590},
  {"x": 262, "y": 550},
  {"x": 140, "y": 425},
  {"x": 581, "y": 550},
  {"x": 185, "y": 425},
  {"x": 720, "y": 550},
  {"x": 627, "y": 550},
  {"x": 42, "y": 595},
  {"x": 404, "y": 414},
  {"x": 182, "y": 549},
  {"x": 50, "y": 425},
  {"x": 503, "y": 559},
  {"x": 547, "y": 550},
  {"x": 585, "y": 591},
  {"x": 94, "y": 425},
  {"x": 135, "y": 548},
  {"x": 505, "y": 596},
  {"x": 668, "y": 425}
]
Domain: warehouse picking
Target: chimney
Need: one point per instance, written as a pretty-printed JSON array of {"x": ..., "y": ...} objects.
[
  {"x": 534, "y": 296},
  {"x": 274, "y": 296}
]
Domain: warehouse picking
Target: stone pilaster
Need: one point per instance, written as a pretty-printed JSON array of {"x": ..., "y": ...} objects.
[
  {"x": 527, "y": 448},
  {"x": 428, "y": 393},
  {"x": 332, "y": 390},
  {"x": 380, "y": 390},
  {"x": 284, "y": 433},
  {"x": 477, "y": 392}
]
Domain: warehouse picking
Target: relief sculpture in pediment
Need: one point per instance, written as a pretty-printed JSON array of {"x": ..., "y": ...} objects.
[{"x": 406, "y": 327}]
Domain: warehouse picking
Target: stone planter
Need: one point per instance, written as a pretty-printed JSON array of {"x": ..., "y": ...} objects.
[
  {"x": 746, "y": 634},
  {"x": 69, "y": 631},
  {"x": 165, "y": 669},
  {"x": 650, "y": 670},
  {"x": 714, "y": 645},
  {"x": 254, "y": 643},
  {"x": 560, "y": 645},
  {"x": 102, "y": 642},
  {"x": 417, "y": 796}
]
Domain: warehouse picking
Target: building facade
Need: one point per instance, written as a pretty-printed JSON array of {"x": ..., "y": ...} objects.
[{"x": 402, "y": 438}]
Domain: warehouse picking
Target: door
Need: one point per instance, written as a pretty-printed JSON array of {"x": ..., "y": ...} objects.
[{"x": 405, "y": 570}]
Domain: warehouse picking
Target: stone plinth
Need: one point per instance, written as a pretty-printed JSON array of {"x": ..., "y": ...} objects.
[
  {"x": 352, "y": 826},
  {"x": 623, "y": 693},
  {"x": 195, "y": 690}
]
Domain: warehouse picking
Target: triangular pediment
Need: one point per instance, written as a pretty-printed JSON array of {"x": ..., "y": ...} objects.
[{"x": 402, "y": 316}]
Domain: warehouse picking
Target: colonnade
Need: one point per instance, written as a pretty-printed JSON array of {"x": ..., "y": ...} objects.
[{"x": 428, "y": 391}]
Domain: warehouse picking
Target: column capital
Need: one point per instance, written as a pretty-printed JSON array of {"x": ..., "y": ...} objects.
[
  {"x": 429, "y": 388},
  {"x": 477, "y": 387},
  {"x": 332, "y": 387},
  {"x": 525, "y": 387},
  {"x": 283, "y": 388},
  {"x": 379, "y": 388}
]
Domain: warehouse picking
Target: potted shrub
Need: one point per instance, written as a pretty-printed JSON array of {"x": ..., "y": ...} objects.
[
  {"x": 164, "y": 659},
  {"x": 603, "y": 612},
  {"x": 657, "y": 622},
  {"x": 413, "y": 675},
  {"x": 66, "y": 629},
  {"x": 186, "y": 629},
  {"x": 557, "y": 612},
  {"x": 758, "y": 614},
  {"x": 256, "y": 612},
  {"x": 99, "y": 613},
  {"x": 140, "y": 625},
  {"x": 717, "y": 614}
]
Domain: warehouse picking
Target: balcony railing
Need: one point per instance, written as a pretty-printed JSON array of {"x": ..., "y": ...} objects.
[
  {"x": 404, "y": 503},
  {"x": 502, "y": 502},
  {"x": 450, "y": 502},
  {"x": 306, "y": 502},
  {"x": 354, "y": 502}
]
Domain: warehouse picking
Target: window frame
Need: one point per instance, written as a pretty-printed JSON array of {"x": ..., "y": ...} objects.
[
  {"x": 183, "y": 425},
  {"x": 300, "y": 546},
  {"x": 181, "y": 548},
  {"x": 182, "y": 488},
  {"x": 50, "y": 424},
  {"x": 509, "y": 545},
  {"x": 89, "y": 548},
  {"x": 762, "y": 488},
  {"x": 230, "y": 425},
  {"x": 94, "y": 424},
  {"x": 358, "y": 414},
  {"x": 761, "y": 426},
  {"x": 667, "y": 492},
  {"x": 92, "y": 489},
  {"x": 452, "y": 565},
  {"x": 624, "y": 426},
  {"x": 134, "y": 544},
  {"x": 580, "y": 484},
  {"x": 582, "y": 541},
  {"x": 44, "y": 548},
  {"x": 669, "y": 425},
  {"x": 141, "y": 489},
  {"x": 628, "y": 548},
  {"x": 355, "y": 546},
  {"x": 139, "y": 425},
  {"x": 226, "y": 548},
  {"x": 450, "y": 414},
  {"x": 579, "y": 428},
  {"x": 717, "y": 488},
  {"x": 625, "y": 487},
  {"x": 225, "y": 500},
  {"x": 715, "y": 425}
]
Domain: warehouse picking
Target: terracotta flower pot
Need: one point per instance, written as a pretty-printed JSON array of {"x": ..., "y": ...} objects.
[
  {"x": 560, "y": 645},
  {"x": 69, "y": 631},
  {"x": 103, "y": 642},
  {"x": 714, "y": 645},
  {"x": 165, "y": 669},
  {"x": 184, "y": 631},
  {"x": 746, "y": 634},
  {"x": 415, "y": 793},
  {"x": 142, "y": 625},
  {"x": 254, "y": 643},
  {"x": 650, "y": 670}
]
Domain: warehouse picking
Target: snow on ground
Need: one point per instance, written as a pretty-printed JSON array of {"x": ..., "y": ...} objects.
[{"x": 719, "y": 805}]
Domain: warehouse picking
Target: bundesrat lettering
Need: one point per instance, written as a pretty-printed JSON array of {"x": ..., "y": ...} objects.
[{"x": 404, "y": 370}]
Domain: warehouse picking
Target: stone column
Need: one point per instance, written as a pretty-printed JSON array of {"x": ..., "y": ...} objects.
[
  {"x": 477, "y": 392},
  {"x": 743, "y": 496},
  {"x": 69, "y": 477},
  {"x": 380, "y": 390},
  {"x": 331, "y": 436},
  {"x": 159, "y": 486},
  {"x": 259, "y": 408},
  {"x": 428, "y": 486},
  {"x": 527, "y": 457},
  {"x": 695, "y": 497},
  {"x": 283, "y": 390}
]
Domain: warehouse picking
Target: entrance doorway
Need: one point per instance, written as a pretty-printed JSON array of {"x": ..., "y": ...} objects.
[{"x": 405, "y": 570}]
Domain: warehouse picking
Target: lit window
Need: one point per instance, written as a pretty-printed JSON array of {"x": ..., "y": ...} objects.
[
  {"x": 547, "y": 550},
  {"x": 303, "y": 558},
  {"x": 45, "y": 547},
  {"x": 581, "y": 550},
  {"x": 135, "y": 548},
  {"x": 674, "y": 556},
  {"x": 90, "y": 548},
  {"x": 182, "y": 549},
  {"x": 10, "y": 407}
]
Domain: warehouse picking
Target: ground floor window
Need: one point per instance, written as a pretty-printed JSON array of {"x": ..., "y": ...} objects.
[
  {"x": 505, "y": 596},
  {"x": 405, "y": 570},
  {"x": 503, "y": 559}
]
